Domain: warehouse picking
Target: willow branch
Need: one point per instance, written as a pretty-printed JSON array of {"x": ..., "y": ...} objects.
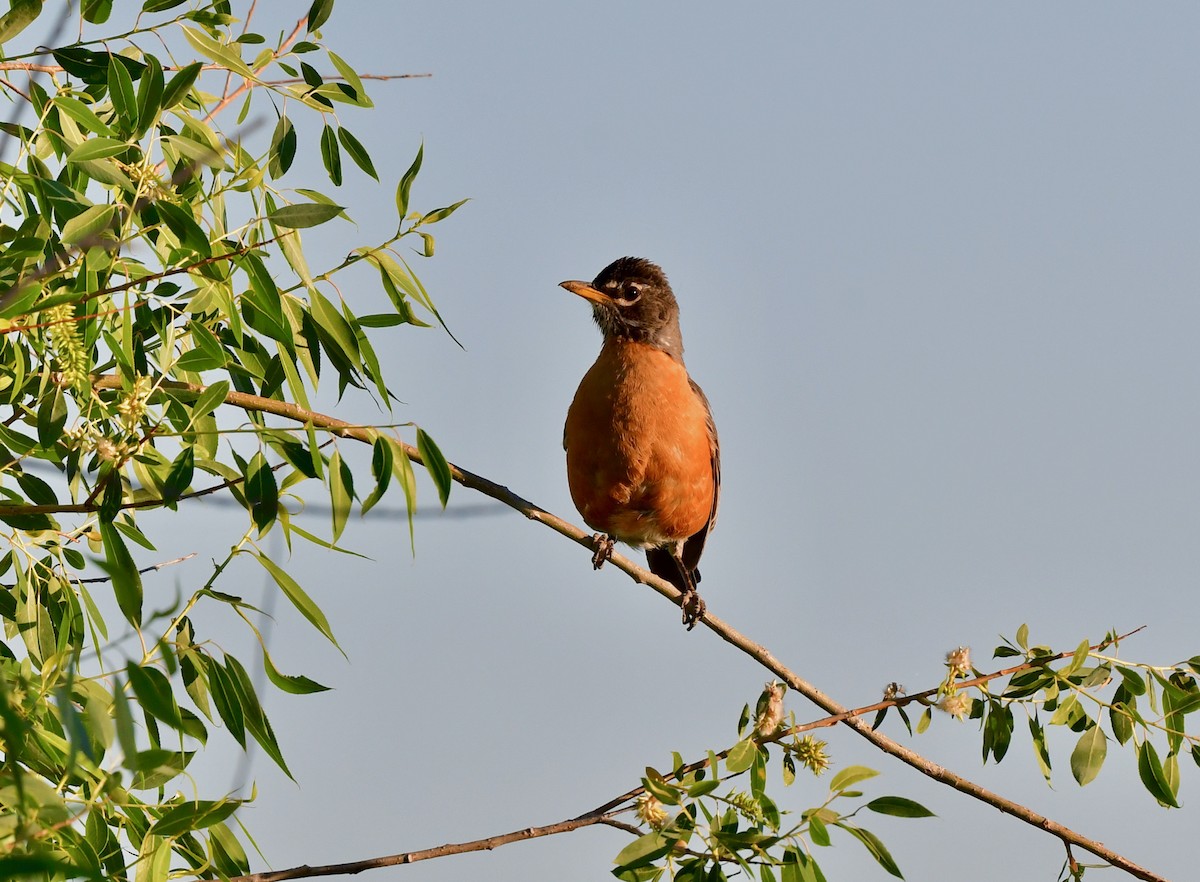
[
  {"x": 248, "y": 84},
  {"x": 719, "y": 627}
]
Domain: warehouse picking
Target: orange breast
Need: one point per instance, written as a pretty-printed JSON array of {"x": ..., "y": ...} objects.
[{"x": 639, "y": 451}]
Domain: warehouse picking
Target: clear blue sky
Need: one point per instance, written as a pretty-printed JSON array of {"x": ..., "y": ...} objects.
[{"x": 937, "y": 266}]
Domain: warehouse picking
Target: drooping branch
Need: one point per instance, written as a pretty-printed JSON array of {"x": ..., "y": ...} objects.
[{"x": 722, "y": 629}]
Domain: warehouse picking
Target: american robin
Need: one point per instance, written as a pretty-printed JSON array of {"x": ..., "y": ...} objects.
[{"x": 643, "y": 462}]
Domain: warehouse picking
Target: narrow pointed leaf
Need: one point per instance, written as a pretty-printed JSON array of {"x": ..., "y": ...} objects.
[{"x": 298, "y": 597}]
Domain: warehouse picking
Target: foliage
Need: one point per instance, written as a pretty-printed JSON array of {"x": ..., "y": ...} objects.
[
  {"x": 153, "y": 281},
  {"x": 703, "y": 827}
]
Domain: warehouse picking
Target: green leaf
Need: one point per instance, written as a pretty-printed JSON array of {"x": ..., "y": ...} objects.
[
  {"x": 195, "y": 815},
  {"x": 153, "y": 691},
  {"x": 210, "y": 399},
  {"x": 262, "y": 492},
  {"x": 97, "y": 11},
  {"x": 1040, "y": 751},
  {"x": 357, "y": 152},
  {"x": 179, "y": 85},
  {"x": 21, "y": 14},
  {"x": 127, "y": 582},
  {"x": 877, "y": 849},
  {"x": 298, "y": 597},
  {"x": 307, "y": 214},
  {"x": 1077, "y": 660},
  {"x": 340, "y": 339},
  {"x": 283, "y": 148},
  {"x": 318, "y": 14},
  {"x": 643, "y": 850},
  {"x": 817, "y": 831},
  {"x": 293, "y": 684},
  {"x": 1121, "y": 721},
  {"x": 256, "y": 720},
  {"x": 226, "y": 698},
  {"x": 703, "y": 788},
  {"x": 222, "y": 53},
  {"x": 85, "y": 227},
  {"x": 52, "y": 416},
  {"x": 84, "y": 115},
  {"x": 899, "y": 807},
  {"x": 179, "y": 478},
  {"x": 120, "y": 89},
  {"x": 150, "y": 92},
  {"x": 331, "y": 155},
  {"x": 850, "y": 776},
  {"x": 341, "y": 493},
  {"x": 657, "y": 787},
  {"x": 1150, "y": 770},
  {"x": 1088, "y": 755},
  {"x": 442, "y": 213},
  {"x": 998, "y": 731},
  {"x": 741, "y": 756},
  {"x": 406, "y": 182},
  {"x": 436, "y": 464},
  {"x": 381, "y": 468},
  {"x": 1023, "y": 637},
  {"x": 124, "y": 724}
]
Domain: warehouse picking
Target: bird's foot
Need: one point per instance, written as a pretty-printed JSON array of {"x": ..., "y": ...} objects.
[
  {"x": 693, "y": 607},
  {"x": 604, "y": 545}
]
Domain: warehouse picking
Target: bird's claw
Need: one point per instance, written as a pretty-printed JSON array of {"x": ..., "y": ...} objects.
[
  {"x": 604, "y": 545},
  {"x": 693, "y": 607}
]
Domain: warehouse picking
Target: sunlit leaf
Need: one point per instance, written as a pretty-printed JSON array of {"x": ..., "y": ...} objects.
[
  {"x": 341, "y": 493},
  {"x": 406, "y": 182},
  {"x": 297, "y": 595},
  {"x": 86, "y": 227},
  {"x": 849, "y": 776},
  {"x": 195, "y": 815},
  {"x": 1088, "y": 755},
  {"x": 309, "y": 214}
]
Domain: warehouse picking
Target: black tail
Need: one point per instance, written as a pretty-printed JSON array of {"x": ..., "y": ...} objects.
[{"x": 666, "y": 564}]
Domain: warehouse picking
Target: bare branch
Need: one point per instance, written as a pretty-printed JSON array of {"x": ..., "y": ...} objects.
[
  {"x": 411, "y": 857},
  {"x": 153, "y": 567}
]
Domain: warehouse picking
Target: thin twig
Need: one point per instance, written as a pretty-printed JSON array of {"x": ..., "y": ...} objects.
[
  {"x": 330, "y": 78},
  {"x": 723, "y": 630},
  {"x": 248, "y": 84},
  {"x": 152, "y": 568}
]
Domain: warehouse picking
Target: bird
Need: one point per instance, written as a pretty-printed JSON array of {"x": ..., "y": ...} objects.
[{"x": 643, "y": 459}]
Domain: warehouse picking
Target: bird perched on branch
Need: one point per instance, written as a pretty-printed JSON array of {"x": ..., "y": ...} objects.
[{"x": 643, "y": 461}]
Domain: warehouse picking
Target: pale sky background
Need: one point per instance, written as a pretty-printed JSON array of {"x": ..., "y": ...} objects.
[{"x": 937, "y": 268}]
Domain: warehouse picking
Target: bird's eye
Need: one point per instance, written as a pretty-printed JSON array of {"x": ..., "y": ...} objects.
[{"x": 632, "y": 293}]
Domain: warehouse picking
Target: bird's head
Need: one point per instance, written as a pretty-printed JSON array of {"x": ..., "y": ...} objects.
[{"x": 631, "y": 299}]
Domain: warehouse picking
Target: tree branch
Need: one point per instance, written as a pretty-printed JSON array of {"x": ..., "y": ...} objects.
[
  {"x": 723, "y": 630},
  {"x": 411, "y": 857}
]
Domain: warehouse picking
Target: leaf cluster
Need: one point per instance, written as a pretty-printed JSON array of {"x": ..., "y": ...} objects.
[{"x": 153, "y": 280}]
